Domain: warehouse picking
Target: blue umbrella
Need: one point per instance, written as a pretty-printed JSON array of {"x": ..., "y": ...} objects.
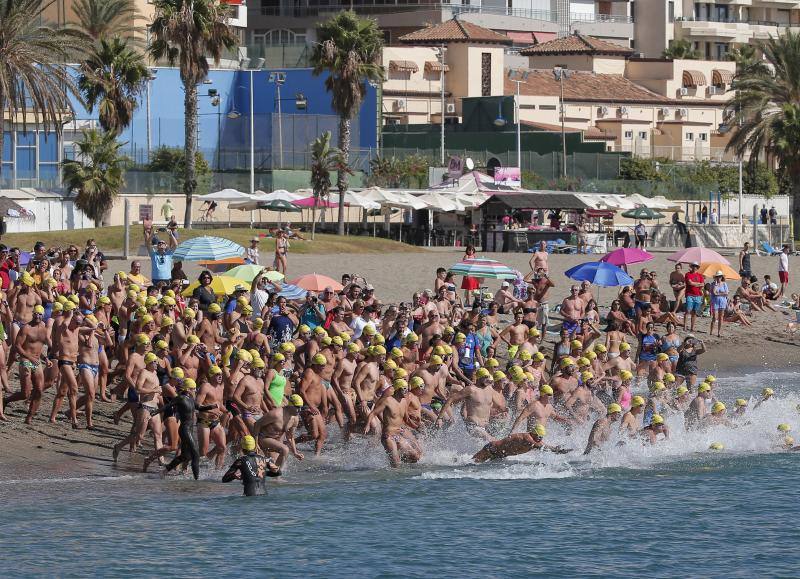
[
  {"x": 292, "y": 292},
  {"x": 599, "y": 273},
  {"x": 208, "y": 248}
]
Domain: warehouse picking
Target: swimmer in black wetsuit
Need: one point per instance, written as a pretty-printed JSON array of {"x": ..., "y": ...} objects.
[
  {"x": 251, "y": 469},
  {"x": 186, "y": 409}
]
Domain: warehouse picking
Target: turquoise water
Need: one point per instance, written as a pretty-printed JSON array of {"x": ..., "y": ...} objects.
[{"x": 671, "y": 510}]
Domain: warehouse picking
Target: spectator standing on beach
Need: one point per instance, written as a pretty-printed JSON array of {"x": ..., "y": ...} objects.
[
  {"x": 744, "y": 261},
  {"x": 704, "y": 215},
  {"x": 783, "y": 270},
  {"x": 773, "y": 216},
  {"x": 763, "y": 214},
  {"x": 714, "y": 218},
  {"x": 694, "y": 294},
  {"x": 167, "y": 210},
  {"x": 161, "y": 256},
  {"x": 251, "y": 253},
  {"x": 640, "y": 232}
]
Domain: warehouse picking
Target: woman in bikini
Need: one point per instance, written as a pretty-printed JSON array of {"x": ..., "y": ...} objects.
[
  {"x": 670, "y": 342},
  {"x": 281, "y": 251}
]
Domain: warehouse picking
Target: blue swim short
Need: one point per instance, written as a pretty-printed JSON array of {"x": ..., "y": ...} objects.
[{"x": 694, "y": 304}]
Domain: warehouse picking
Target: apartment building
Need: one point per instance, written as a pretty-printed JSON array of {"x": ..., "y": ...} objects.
[{"x": 713, "y": 28}]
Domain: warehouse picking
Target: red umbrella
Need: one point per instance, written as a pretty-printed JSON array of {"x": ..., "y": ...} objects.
[
  {"x": 309, "y": 202},
  {"x": 315, "y": 282},
  {"x": 699, "y": 255},
  {"x": 626, "y": 255}
]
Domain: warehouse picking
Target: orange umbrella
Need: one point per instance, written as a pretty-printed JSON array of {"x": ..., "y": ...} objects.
[
  {"x": 315, "y": 282},
  {"x": 220, "y": 265},
  {"x": 710, "y": 269}
]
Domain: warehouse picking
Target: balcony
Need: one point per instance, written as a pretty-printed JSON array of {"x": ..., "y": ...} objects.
[
  {"x": 377, "y": 8},
  {"x": 602, "y": 25}
]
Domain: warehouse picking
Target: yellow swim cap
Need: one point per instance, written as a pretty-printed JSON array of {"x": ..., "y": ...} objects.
[
  {"x": 399, "y": 373},
  {"x": 142, "y": 339},
  {"x": 258, "y": 363},
  {"x": 326, "y": 341},
  {"x": 396, "y": 352},
  {"x": 482, "y": 373},
  {"x": 146, "y": 319},
  {"x": 62, "y": 299},
  {"x": 192, "y": 339},
  {"x": 353, "y": 348},
  {"x": 177, "y": 373},
  {"x": 497, "y": 376},
  {"x": 122, "y": 275},
  {"x": 435, "y": 360},
  {"x": 704, "y": 387},
  {"x": 214, "y": 370},
  {"x": 399, "y": 384},
  {"x": 149, "y": 358},
  {"x": 637, "y": 401},
  {"x": 37, "y": 309},
  {"x": 788, "y": 441},
  {"x": 412, "y": 337},
  {"x": 439, "y": 351},
  {"x": 662, "y": 357},
  {"x": 296, "y": 400},
  {"x": 278, "y": 357},
  {"x": 303, "y": 329},
  {"x": 169, "y": 293},
  {"x": 449, "y": 331},
  {"x": 576, "y": 344},
  {"x": 600, "y": 349},
  {"x": 378, "y": 351},
  {"x": 657, "y": 419},
  {"x": 741, "y": 402},
  {"x": 189, "y": 384},
  {"x": 135, "y": 288},
  {"x": 626, "y": 375},
  {"x": 492, "y": 363},
  {"x": 460, "y": 338},
  {"x": 244, "y": 356},
  {"x": 390, "y": 364},
  {"x": 105, "y": 300},
  {"x": 534, "y": 333},
  {"x": 710, "y": 379},
  {"x": 669, "y": 378},
  {"x": 767, "y": 392},
  {"x": 525, "y": 355},
  {"x": 591, "y": 355},
  {"x": 90, "y": 318},
  {"x": 546, "y": 389},
  {"x": 538, "y": 357},
  {"x": 783, "y": 427},
  {"x": 583, "y": 361},
  {"x": 566, "y": 362},
  {"x": 539, "y": 431},
  {"x": 162, "y": 345},
  {"x": 613, "y": 408},
  {"x": 369, "y": 330},
  {"x": 258, "y": 323},
  {"x": 166, "y": 321},
  {"x": 214, "y": 309},
  {"x": 416, "y": 382},
  {"x": 167, "y": 301},
  {"x": 58, "y": 307},
  {"x": 287, "y": 348},
  {"x": 150, "y": 301},
  {"x": 320, "y": 331},
  {"x": 657, "y": 386},
  {"x": 189, "y": 313},
  {"x": 717, "y": 407},
  {"x": 716, "y": 446},
  {"x": 448, "y": 349},
  {"x": 586, "y": 375},
  {"x": 337, "y": 341},
  {"x": 624, "y": 347},
  {"x": 247, "y": 310},
  {"x": 319, "y": 360},
  {"x": 248, "y": 443}
]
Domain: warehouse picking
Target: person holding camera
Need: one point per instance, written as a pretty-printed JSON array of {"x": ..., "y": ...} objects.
[
  {"x": 161, "y": 257},
  {"x": 312, "y": 312}
]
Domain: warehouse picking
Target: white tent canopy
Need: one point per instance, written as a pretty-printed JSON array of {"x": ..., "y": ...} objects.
[
  {"x": 393, "y": 199},
  {"x": 353, "y": 199},
  {"x": 438, "y": 202},
  {"x": 253, "y": 201},
  {"x": 226, "y": 195}
]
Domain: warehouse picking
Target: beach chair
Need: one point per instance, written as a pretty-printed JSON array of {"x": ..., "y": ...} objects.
[{"x": 767, "y": 249}]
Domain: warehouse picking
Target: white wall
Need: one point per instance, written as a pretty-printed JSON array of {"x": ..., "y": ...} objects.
[{"x": 50, "y": 215}]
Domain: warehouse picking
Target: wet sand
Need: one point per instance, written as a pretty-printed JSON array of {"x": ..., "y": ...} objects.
[{"x": 56, "y": 450}]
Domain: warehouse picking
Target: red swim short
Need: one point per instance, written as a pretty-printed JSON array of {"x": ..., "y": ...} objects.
[{"x": 783, "y": 276}]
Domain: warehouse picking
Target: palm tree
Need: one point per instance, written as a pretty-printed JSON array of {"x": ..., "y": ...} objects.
[
  {"x": 107, "y": 18},
  {"x": 747, "y": 59},
  {"x": 33, "y": 78},
  {"x": 97, "y": 175},
  {"x": 185, "y": 32},
  {"x": 765, "y": 112},
  {"x": 111, "y": 80},
  {"x": 324, "y": 159},
  {"x": 349, "y": 51},
  {"x": 681, "y": 48}
]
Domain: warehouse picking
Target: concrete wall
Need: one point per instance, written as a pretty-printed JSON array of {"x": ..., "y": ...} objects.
[
  {"x": 50, "y": 215},
  {"x": 666, "y": 77},
  {"x": 730, "y": 236},
  {"x": 586, "y": 62}
]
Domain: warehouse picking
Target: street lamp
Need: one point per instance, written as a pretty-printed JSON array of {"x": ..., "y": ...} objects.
[
  {"x": 278, "y": 78},
  {"x": 518, "y": 76},
  {"x": 150, "y": 78},
  {"x": 560, "y": 73}
]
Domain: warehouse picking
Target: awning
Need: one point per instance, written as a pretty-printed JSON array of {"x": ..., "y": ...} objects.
[
  {"x": 721, "y": 77},
  {"x": 403, "y": 65},
  {"x": 693, "y": 78},
  {"x": 602, "y": 213},
  {"x": 435, "y": 66},
  {"x": 525, "y": 38}
]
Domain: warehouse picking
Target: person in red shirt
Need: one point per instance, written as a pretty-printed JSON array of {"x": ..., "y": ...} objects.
[{"x": 694, "y": 293}]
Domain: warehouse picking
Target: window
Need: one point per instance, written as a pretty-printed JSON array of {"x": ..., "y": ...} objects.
[
  {"x": 703, "y": 136},
  {"x": 690, "y": 136},
  {"x": 278, "y": 37},
  {"x": 486, "y": 74},
  {"x": 632, "y": 11},
  {"x": 629, "y": 134},
  {"x": 643, "y": 135},
  {"x": 671, "y": 11},
  {"x": 547, "y": 107}
]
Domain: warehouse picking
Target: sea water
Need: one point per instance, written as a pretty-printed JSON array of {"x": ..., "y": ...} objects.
[{"x": 675, "y": 509}]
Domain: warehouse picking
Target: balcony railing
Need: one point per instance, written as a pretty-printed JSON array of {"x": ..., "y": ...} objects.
[
  {"x": 581, "y": 17},
  {"x": 733, "y": 20},
  {"x": 392, "y": 7}
]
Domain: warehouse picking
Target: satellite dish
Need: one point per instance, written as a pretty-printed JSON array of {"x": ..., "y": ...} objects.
[{"x": 469, "y": 164}]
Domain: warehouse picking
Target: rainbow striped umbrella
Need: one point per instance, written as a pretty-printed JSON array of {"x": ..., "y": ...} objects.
[{"x": 481, "y": 267}]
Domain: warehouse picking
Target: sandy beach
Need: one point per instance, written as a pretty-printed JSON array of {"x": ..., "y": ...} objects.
[{"x": 56, "y": 450}]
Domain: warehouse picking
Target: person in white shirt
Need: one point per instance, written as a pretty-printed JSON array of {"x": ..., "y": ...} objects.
[
  {"x": 251, "y": 253},
  {"x": 783, "y": 270}
]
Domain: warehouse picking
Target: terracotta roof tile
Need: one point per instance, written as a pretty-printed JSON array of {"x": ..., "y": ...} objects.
[
  {"x": 582, "y": 86},
  {"x": 577, "y": 44},
  {"x": 455, "y": 30}
]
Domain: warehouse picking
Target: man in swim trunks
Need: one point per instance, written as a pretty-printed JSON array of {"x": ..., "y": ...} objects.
[
  {"x": 209, "y": 427},
  {"x": 601, "y": 429},
  {"x": 91, "y": 337},
  {"x": 540, "y": 411},
  {"x": 698, "y": 409},
  {"x": 516, "y": 444},
  {"x": 275, "y": 431},
  {"x": 315, "y": 397},
  {"x": 515, "y": 334},
  {"x": 572, "y": 310},
  {"x": 250, "y": 394},
  {"x": 397, "y": 439},
  {"x": 542, "y": 284},
  {"x": 146, "y": 415},
  {"x": 29, "y": 345},
  {"x": 478, "y": 401},
  {"x": 656, "y": 427},
  {"x": 22, "y": 298}
]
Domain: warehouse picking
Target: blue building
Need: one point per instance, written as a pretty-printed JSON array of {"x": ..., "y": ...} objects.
[{"x": 31, "y": 158}]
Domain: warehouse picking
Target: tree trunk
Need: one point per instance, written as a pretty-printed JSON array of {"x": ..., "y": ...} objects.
[
  {"x": 314, "y": 218},
  {"x": 2, "y": 135},
  {"x": 341, "y": 175},
  {"x": 190, "y": 148}
]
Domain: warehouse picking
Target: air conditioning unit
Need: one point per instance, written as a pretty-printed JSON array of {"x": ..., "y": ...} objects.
[
  {"x": 400, "y": 104},
  {"x": 683, "y": 91},
  {"x": 623, "y": 110},
  {"x": 603, "y": 111},
  {"x": 683, "y": 113},
  {"x": 664, "y": 111},
  {"x": 451, "y": 108}
]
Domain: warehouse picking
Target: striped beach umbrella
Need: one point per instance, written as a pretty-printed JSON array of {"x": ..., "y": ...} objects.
[
  {"x": 481, "y": 267},
  {"x": 248, "y": 272},
  {"x": 207, "y": 248},
  {"x": 291, "y": 292}
]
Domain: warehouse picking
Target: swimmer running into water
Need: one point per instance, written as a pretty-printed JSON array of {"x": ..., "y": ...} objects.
[{"x": 516, "y": 444}]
